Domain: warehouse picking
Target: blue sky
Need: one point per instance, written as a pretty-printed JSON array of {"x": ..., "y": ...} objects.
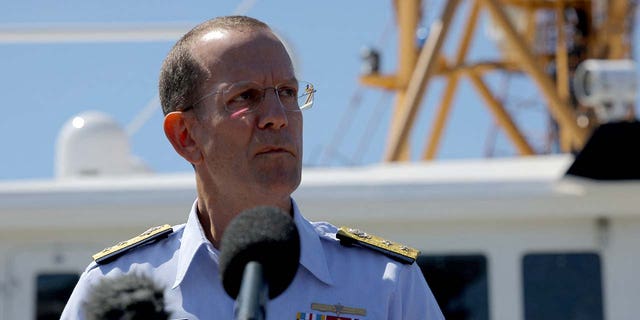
[{"x": 44, "y": 85}]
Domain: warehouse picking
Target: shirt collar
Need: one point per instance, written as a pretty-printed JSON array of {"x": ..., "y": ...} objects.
[
  {"x": 312, "y": 255},
  {"x": 192, "y": 239}
]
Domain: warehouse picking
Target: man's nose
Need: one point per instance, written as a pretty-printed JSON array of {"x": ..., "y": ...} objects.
[{"x": 272, "y": 111}]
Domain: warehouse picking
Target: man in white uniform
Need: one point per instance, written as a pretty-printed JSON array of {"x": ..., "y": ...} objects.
[{"x": 232, "y": 107}]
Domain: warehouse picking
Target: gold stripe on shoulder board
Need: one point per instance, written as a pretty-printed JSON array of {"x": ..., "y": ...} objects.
[
  {"x": 396, "y": 251},
  {"x": 112, "y": 252}
]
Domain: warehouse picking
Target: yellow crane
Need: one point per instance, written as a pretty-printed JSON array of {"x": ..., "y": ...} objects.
[{"x": 598, "y": 29}]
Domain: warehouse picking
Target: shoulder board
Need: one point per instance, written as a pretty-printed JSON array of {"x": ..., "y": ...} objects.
[
  {"x": 396, "y": 251},
  {"x": 113, "y": 252}
]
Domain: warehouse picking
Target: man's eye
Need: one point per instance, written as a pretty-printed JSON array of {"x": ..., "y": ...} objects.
[
  {"x": 288, "y": 92},
  {"x": 246, "y": 96}
]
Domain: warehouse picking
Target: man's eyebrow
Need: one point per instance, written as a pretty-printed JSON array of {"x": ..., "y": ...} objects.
[{"x": 290, "y": 80}]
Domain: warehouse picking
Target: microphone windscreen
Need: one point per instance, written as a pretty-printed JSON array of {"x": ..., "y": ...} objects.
[
  {"x": 266, "y": 235},
  {"x": 129, "y": 296}
]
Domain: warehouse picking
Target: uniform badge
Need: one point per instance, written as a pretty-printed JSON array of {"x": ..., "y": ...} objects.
[
  {"x": 341, "y": 312},
  {"x": 113, "y": 252},
  {"x": 315, "y": 316},
  {"x": 310, "y": 316},
  {"x": 396, "y": 251}
]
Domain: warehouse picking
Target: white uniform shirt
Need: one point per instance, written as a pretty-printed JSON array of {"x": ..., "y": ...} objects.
[{"x": 186, "y": 264}]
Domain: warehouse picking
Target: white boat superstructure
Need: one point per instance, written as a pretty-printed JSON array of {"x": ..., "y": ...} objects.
[{"x": 488, "y": 222}]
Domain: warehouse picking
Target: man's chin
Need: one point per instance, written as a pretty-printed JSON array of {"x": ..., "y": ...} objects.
[{"x": 280, "y": 181}]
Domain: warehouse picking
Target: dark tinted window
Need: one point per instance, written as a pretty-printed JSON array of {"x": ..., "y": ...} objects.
[
  {"x": 52, "y": 293},
  {"x": 459, "y": 283},
  {"x": 562, "y": 286}
]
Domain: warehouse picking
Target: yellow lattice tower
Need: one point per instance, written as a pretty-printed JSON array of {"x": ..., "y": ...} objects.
[{"x": 532, "y": 34}]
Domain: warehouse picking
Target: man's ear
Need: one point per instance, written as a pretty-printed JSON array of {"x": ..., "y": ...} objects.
[{"x": 179, "y": 134}]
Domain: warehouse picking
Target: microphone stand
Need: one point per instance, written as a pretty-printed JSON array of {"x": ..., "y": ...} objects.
[{"x": 251, "y": 303}]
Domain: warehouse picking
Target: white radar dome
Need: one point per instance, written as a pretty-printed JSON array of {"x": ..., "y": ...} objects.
[{"x": 94, "y": 144}]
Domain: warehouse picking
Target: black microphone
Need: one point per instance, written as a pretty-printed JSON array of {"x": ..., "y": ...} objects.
[
  {"x": 130, "y": 296},
  {"x": 260, "y": 253}
]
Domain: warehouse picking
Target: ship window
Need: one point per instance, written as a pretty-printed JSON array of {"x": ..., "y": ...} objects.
[
  {"x": 52, "y": 292},
  {"x": 562, "y": 286},
  {"x": 459, "y": 284}
]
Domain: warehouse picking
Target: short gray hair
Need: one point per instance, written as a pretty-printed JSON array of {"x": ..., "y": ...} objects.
[{"x": 182, "y": 72}]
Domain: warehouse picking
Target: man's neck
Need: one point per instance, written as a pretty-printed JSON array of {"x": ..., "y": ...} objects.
[{"x": 215, "y": 214}]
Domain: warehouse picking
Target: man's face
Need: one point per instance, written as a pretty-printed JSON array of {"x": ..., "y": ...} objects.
[{"x": 251, "y": 155}]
